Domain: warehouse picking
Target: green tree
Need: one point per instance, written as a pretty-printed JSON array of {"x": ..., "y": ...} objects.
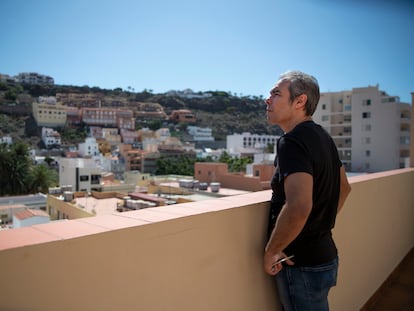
[
  {"x": 19, "y": 176},
  {"x": 154, "y": 125},
  {"x": 41, "y": 178},
  {"x": 14, "y": 168},
  {"x": 5, "y": 165},
  {"x": 10, "y": 95},
  {"x": 237, "y": 164},
  {"x": 183, "y": 165}
]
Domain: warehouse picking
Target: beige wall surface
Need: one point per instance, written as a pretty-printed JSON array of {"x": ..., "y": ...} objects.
[
  {"x": 374, "y": 231},
  {"x": 203, "y": 255}
]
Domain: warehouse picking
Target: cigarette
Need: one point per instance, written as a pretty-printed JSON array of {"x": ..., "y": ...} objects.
[{"x": 283, "y": 259}]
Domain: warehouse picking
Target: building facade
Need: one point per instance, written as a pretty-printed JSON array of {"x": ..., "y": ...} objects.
[
  {"x": 51, "y": 138},
  {"x": 49, "y": 113},
  {"x": 370, "y": 128},
  {"x": 89, "y": 148},
  {"x": 34, "y": 78},
  {"x": 183, "y": 115},
  {"x": 246, "y": 140},
  {"x": 82, "y": 174},
  {"x": 200, "y": 133}
]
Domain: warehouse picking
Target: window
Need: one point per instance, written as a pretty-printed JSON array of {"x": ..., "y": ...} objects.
[
  {"x": 367, "y": 153},
  {"x": 366, "y": 140},
  {"x": 257, "y": 173},
  {"x": 95, "y": 179},
  {"x": 325, "y": 118},
  {"x": 366, "y": 102},
  {"x": 366, "y": 115},
  {"x": 366, "y": 127},
  {"x": 323, "y": 107},
  {"x": 84, "y": 178},
  {"x": 405, "y": 140}
]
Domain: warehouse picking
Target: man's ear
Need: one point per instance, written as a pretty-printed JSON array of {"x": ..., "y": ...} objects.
[{"x": 301, "y": 101}]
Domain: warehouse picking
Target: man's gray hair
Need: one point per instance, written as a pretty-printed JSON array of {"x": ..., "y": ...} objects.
[{"x": 302, "y": 83}]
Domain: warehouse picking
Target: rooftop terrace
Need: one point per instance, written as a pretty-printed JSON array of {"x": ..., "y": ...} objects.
[{"x": 203, "y": 255}]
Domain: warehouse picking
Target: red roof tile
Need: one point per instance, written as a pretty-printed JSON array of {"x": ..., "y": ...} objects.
[{"x": 30, "y": 213}]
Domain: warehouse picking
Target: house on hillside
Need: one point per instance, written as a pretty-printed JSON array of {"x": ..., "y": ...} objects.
[{"x": 182, "y": 115}]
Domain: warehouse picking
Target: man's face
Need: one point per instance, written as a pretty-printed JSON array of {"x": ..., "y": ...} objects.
[{"x": 279, "y": 108}]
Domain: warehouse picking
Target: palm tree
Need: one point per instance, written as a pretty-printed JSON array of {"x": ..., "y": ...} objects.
[{"x": 42, "y": 178}]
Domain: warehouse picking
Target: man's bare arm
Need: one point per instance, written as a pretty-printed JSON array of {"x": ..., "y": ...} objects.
[
  {"x": 293, "y": 216},
  {"x": 345, "y": 189}
]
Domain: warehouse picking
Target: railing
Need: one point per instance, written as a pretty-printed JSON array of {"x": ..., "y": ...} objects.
[{"x": 203, "y": 255}]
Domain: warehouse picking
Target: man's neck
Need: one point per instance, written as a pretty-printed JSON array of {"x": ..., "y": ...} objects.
[{"x": 294, "y": 122}]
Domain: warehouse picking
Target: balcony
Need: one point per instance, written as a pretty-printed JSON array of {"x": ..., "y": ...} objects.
[{"x": 203, "y": 255}]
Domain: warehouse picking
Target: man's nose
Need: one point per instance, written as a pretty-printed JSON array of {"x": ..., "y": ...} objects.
[{"x": 267, "y": 101}]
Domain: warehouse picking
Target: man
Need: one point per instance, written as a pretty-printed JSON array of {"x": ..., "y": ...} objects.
[{"x": 309, "y": 188}]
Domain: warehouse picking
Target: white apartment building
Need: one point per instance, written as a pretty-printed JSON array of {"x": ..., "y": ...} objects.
[
  {"x": 89, "y": 148},
  {"x": 6, "y": 140},
  {"x": 370, "y": 128},
  {"x": 50, "y": 137},
  {"x": 33, "y": 78},
  {"x": 200, "y": 133},
  {"x": 246, "y": 140},
  {"x": 80, "y": 173}
]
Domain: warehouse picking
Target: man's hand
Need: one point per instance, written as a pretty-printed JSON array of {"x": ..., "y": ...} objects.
[{"x": 271, "y": 266}]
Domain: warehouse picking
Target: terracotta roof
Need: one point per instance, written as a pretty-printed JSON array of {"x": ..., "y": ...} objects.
[{"x": 30, "y": 213}]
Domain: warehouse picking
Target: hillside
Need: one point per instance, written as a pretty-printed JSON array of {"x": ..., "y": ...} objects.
[{"x": 224, "y": 113}]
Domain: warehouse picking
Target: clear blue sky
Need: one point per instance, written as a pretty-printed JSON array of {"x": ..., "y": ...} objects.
[{"x": 229, "y": 45}]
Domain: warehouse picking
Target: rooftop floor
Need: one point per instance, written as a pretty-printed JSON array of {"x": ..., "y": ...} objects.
[{"x": 397, "y": 292}]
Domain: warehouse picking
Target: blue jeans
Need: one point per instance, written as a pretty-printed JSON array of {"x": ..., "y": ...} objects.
[{"x": 306, "y": 288}]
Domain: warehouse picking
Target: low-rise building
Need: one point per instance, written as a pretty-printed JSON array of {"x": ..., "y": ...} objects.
[
  {"x": 50, "y": 137},
  {"x": 148, "y": 111},
  {"x": 200, "y": 133},
  {"x": 82, "y": 174},
  {"x": 34, "y": 78},
  {"x": 89, "y": 148},
  {"x": 6, "y": 140},
  {"x": 182, "y": 115},
  {"x": 30, "y": 217},
  {"x": 254, "y": 142},
  {"x": 211, "y": 172}
]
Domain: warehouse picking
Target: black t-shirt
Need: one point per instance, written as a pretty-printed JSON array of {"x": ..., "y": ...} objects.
[{"x": 309, "y": 148}]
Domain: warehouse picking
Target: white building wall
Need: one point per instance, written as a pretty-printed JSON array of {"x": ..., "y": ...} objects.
[
  {"x": 34, "y": 220},
  {"x": 6, "y": 140},
  {"x": 50, "y": 137},
  {"x": 79, "y": 173},
  {"x": 370, "y": 128},
  {"x": 89, "y": 148},
  {"x": 200, "y": 133},
  {"x": 249, "y": 141}
]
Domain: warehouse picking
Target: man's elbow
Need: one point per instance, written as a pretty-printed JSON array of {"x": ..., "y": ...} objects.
[{"x": 347, "y": 189}]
